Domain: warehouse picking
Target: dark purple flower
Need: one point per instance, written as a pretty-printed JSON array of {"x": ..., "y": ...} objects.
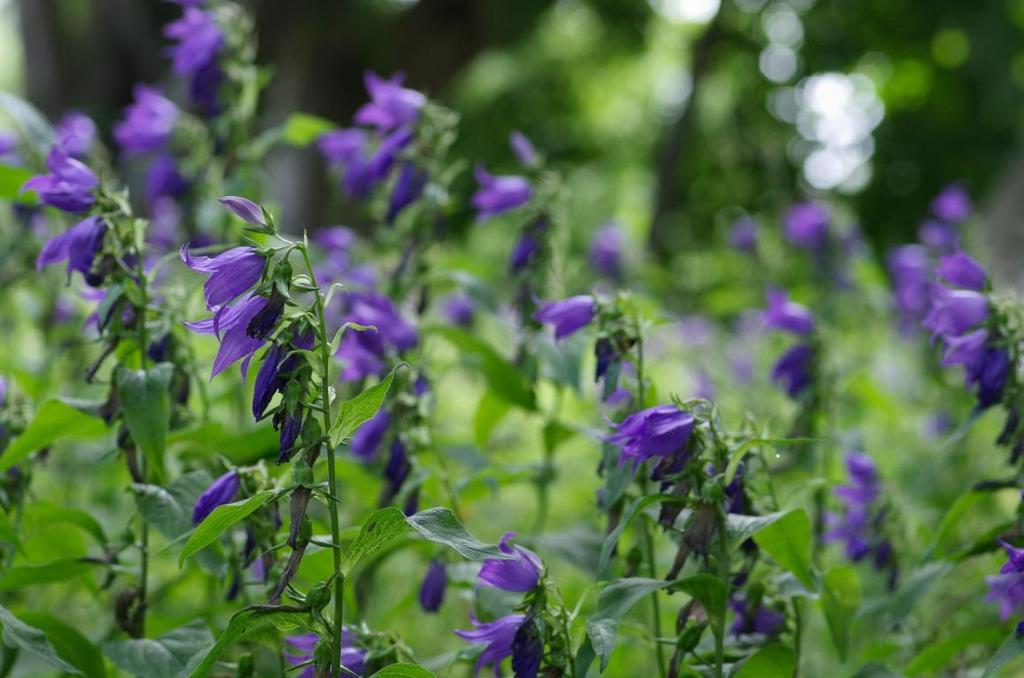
[
  {"x": 432, "y": 590},
  {"x": 408, "y": 187},
  {"x": 527, "y": 650},
  {"x": 568, "y": 315},
  {"x": 274, "y": 371},
  {"x": 364, "y": 352},
  {"x": 855, "y": 528},
  {"x": 244, "y": 209},
  {"x": 523, "y": 149},
  {"x": 148, "y": 122},
  {"x": 232, "y": 273},
  {"x": 939, "y": 236},
  {"x": 953, "y": 312},
  {"x": 459, "y": 310},
  {"x": 806, "y": 225},
  {"x": 1007, "y": 588},
  {"x": 606, "y": 251},
  {"x": 78, "y": 246},
  {"x": 743, "y": 235},
  {"x": 526, "y": 248},
  {"x": 204, "y": 88},
  {"x": 163, "y": 180},
  {"x": 786, "y": 315},
  {"x": 519, "y": 575},
  {"x": 792, "y": 371},
  {"x": 397, "y": 468},
  {"x": 961, "y": 270},
  {"x": 987, "y": 377},
  {"x": 655, "y": 432},
  {"x": 966, "y": 349},
  {"x": 384, "y": 157},
  {"x": 390, "y": 105},
  {"x": 220, "y": 492},
  {"x": 352, "y": 657},
  {"x": 342, "y": 146},
  {"x": 231, "y": 325},
  {"x": 864, "y": 486},
  {"x": 498, "y": 194},
  {"x": 497, "y": 636},
  {"x": 69, "y": 186},
  {"x": 760, "y": 620},
  {"x": 367, "y": 438},
  {"x": 75, "y": 133},
  {"x": 952, "y": 204},
  {"x": 199, "y": 41},
  {"x": 910, "y": 270},
  {"x": 289, "y": 423},
  {"x": 336, "y": 240}
]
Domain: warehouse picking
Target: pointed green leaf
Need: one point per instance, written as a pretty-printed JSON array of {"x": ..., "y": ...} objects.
[
  {"x": 632, "y": 511},
  {"x": 18, "y": 634},
  {"x": 20, "y": 576},
  {"x": 167, "y": 656},
  {"x": 788, "y": 542},
  {"x": 55, "y": 420},
  {"x": 771, "y": 661},
  {"x": 612, "y": 605},
  {"x": 440, "y": 526},
  {"x": 356, "y": 411},
  {"x": 221, "y": 519},
  {"x": 11, "y": 180},
  {"x": 840, "y": 597},
  {"x": 1007, "y": 652},
  {"x": 146, "y": 405},
  {"x": 243, "y": 623},
  {"x": 302, "y": 129},
  {"x": 403, "y": 671},
  {"x": 709, "y": 591},
  {"x": 382, "y": 527},
  {"x": 170, "y": 509},
  {"x": 71, "y": 646}
]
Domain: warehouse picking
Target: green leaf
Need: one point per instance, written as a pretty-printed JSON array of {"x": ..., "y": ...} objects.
[
  {"x": 939, "y": 654},
  {"x": 440, "y": 526},
  {"x": 1007, "y": 652},
  {"x": 47, "y": 513},
  {"x": 709, "y": 591},
  {"x": 914, "y": 586},
  {"x": 71, "y": 646},
  {"x": 612, "y": 605},
  {"x": 55, "y": 420},
  {"x": 221, "y": 519},
  {"x": 168, "y": 656},
  {"x": 20, "y": 576},
  {"x": 503, "y": 378},
  {"x": 742, "y": 527},
  {"x": 356, "y": 411},
  {"x": 771, "y": 661},
  {"x": 632, "y": 512},
  {"x": 382, "y": 527},
  {"x": 403, "y": 671},
  {"x": 146, "y": 406},
  {"x": 489, "y": 413},
  {"x": 243, "y": 623},
  {"x": 736, "y": 456},
  {"x": 840, "y": 597},
  {"x": 170, "y": 509},
  {"x": 302, "y": 129},
  {"x": 18, "y": 634},
  {"x": 11, "y": 180},
  {"x": 788, "y": 541}
]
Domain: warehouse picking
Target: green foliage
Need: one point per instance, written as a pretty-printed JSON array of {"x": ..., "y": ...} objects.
[
  {"x": 613, "y": 603},
  {"x": 18, "y": 634},
  {"x": 146, "y": 404},
  {"x": 788, "y": 541},
  {"x": 170, "y": 655},
  {"x": 55, "y": 420},
  {"x": 220, "y": 519},
  {"x": 355, "y": 412}
]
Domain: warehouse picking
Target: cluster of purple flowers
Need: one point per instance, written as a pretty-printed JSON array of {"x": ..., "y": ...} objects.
[
  {"x": 793, "y": 371},
  {"x": 661, "y": 431},
  {"x": 806, "y": 225},
  {"x": 1007, "y": 587},
  {"x": 858, "y": 527},
  {"x": 498, "y": 194},
  {"x": 195, "y": 56},
  {"x": 367, "y": 154},
  {"x": 513, "y": 635},
  {"x": 951, "y": 207}
]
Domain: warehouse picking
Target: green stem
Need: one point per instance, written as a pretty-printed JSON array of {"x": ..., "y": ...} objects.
[
  {"x": 332, "y": 478},
  {"x": 143, "y": 346}
]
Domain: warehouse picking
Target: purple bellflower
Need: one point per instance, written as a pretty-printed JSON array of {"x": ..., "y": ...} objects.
[
  {"x": 606, "y": 251},
  {"x": 953, "y": 312},
  {"x": 857, "y": 527},
  {"x": 236, "y": 326},
  {"x": 759, "y": 620},
  {"x": 199, "y": 43},
  {"x": 520, "y": 574},
  {"x": 220, "y": 492},
  {"x": 69, "y": 186},
  {"x": 148, "y": 122},
  {"x": 655, "y": 432},
  {"x": 497, "y": 636},
  {"x": 244, "y": 209},
  {"x": 163, "y": 180},
  {"x": 743, "y": 235},
  {"x": 568, "y": 315},
  {"x": 232, "y": 273},
  {"x": 806, "y": 225},
  {"x": 76, "y": 133},
  {"x": 952, "y": 205},
  {"x": 390, "y": 105},
  {"x": 432, "y": 591},
  {"x": 523, "y": 149},
  {"x": 78, "y": 246},
  {"x": 367, "y": 438},
  {"x": 960, "y": 270},
  {"x": 498, "y": 194},
  {"x": 526, "y": 248},
  {"x": 459, "y": 309},
  {"x": 408, "y": 188},
  {"x": 793, "y": 370},
  {"x": 1007, "y": 588},
  {"x": 910, "y": 271},
  {"x": 939, "y": 236},
  {"x": 786, "y": 315}
]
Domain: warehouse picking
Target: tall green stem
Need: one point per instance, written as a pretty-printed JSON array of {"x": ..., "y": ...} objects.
[
  {"x": 332, "y": 478},
  {"x": 143, "y": 347}
]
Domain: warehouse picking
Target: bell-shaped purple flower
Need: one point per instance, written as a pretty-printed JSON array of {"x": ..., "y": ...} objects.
[
  {"x": 857, "y": 528},
  {"x": 148, "y": 122},
  {"x": 289, "y": 424},
  {"x": 432, "y": 591},
  {"x": 231, "y": 325},
  {"x": 220, "y": 492},
  {"x": 497, "y": 636},
  {"x": 408, "y": 188},
  {"x": 70, "y": 185},
  {"x": 952, "y": 204},
  {"x": 910, "y": 270},
  {"x": 987, "y": 377},
  {"x": 498, "y": 194},
  {"x": 966, "y": 349},
  {"x": 459, "y": 309},
  {"x": 1007, "y": 588},
  {"x": 606, "y": 251},
  {"x": 806, "y": 225},
  {"x": 520, "y": 574},
  {"x": 78, "y": 246},
  {"x": 75, "y": 133},
  {"x": 939, "y": 236},
  {"x": 743, "y": 235},
  {"x": 199, "y": 41},
  {"x": 527, "y": 650},
  {"x": 792, "y": 371},
  {"x": 244, "y": 209},
  {"x": 232, "y": 273},
  {"x": 274, "y": 372},
  {"x": 301, "y": 649},
  {"x": 786, "y": 315},
  {"x": 568, "y": 315},
  {"x": 342, "y": 146},
  {"x": 523, "y": 149},
  {"x": 960, "y": 270},
  {"x": 953, "y": 312},
  {"x": 390, "y": 105},
  {"x": 525, "y": 250},
  {"x": 655, "y": 432},
  {"x": 367, "y": 438},
  {"x": 759, "y": 620}
]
